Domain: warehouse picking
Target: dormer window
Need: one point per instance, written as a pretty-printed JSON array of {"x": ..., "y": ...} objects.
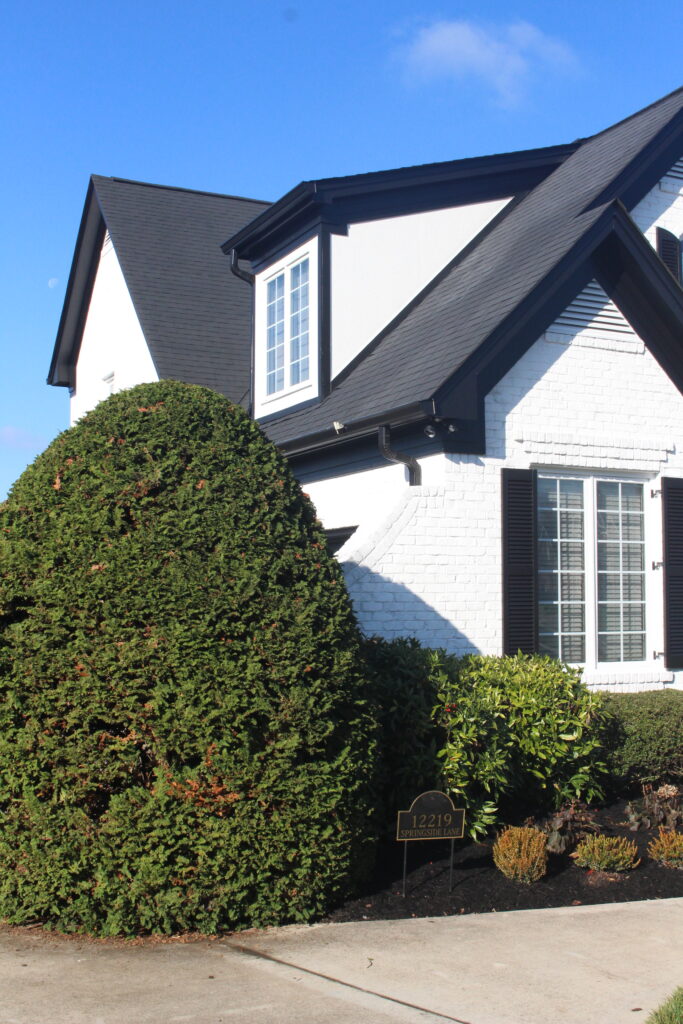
[
  {"x": 286, "y": 341},
  {"x": 287, "y": 362}
]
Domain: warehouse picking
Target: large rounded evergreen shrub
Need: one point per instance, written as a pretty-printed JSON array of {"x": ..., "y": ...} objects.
[{"x": 184, "y": 740}]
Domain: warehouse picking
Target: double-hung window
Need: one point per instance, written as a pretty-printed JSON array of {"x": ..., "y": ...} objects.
[
  {"x": 287, "y": 328},
  {"x": 590, "y": 583}
]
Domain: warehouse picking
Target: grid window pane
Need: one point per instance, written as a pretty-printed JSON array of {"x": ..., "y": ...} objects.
[
  {"x": 560, "y": 558},
  {"x": 298, "y": 324},
  {"x": 621, "y": 575},
  {"x": 275, "y": 335}
]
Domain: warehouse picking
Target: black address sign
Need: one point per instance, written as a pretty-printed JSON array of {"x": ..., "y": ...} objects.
[{"x": 431, "y": 816}]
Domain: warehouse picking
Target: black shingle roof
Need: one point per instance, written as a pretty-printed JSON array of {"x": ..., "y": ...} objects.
[
  {"x": 195, "y": 315},
  {"x": 460, "y": 312}
]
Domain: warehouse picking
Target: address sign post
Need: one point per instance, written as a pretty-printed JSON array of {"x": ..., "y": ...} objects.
[{"x": 431, "y": 816}]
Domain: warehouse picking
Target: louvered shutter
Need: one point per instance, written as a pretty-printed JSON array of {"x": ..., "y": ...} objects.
[
  {"x": 669, "y": 251},
  {"x": 519, "y": 561},
  {"x": 672, "y": 510}
]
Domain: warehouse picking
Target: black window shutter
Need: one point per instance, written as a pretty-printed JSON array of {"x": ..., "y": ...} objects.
[
  {"x": 672, "y": 510},
  {"x": 669, "y": 252},
  {"x": 519, "y": 561}
]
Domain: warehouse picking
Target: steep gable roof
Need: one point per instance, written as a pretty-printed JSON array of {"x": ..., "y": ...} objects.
[
  {"x": 195, "y": 315},
  {"x": 528, "y": 262}
]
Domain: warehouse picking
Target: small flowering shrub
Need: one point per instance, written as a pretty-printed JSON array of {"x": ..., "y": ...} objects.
[
  {"x": 521, "y": 729},
  {"x": 185, "y": 740},
  {"x": 607, "y": 853},
  {"x": 521, "y": 854},
  {"x": 667, "y": 848},
  {"x": 661, "y": 806}
]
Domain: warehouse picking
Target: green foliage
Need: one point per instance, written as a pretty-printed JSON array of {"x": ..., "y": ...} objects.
[
  {"x": 521, "y": 854},
  {"x": 667, "y": 848},
  {"x": 643, "y": 737},
  {"x": 521, "y": 728},
  {"x": 185, "y": 741},
  {"x": 404, "y": 693},
  {"x": 606, "y": 853},
  {"x": 670, "y": 1012}
]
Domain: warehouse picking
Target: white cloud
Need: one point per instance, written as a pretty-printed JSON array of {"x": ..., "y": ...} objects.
[
  {"x": 53, "y": 282},
  {"x": 18, "y": 439},
  {"x": 504, "y": 57}
]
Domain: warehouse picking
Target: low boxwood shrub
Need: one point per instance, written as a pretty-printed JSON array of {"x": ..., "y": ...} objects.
[
  {"x": 185, "y": 739},
  {"x": 606, "y": 853},
  {"x": 522, "y": 730},
  {"x": 521, "y": 854},
  {"x": 643, "y": 738},
  {"x": 403, "y": 692}
]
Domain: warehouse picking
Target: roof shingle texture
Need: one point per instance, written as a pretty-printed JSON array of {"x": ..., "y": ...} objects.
[
  {"x": 195, "y": 314},
  {"x": 462, "y": 308}
]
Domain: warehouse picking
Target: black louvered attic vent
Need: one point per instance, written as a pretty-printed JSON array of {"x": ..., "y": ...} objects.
[
  {"x": 669, "y": 251},
  {"x": 672, "y": 510},
  {"x": 519, "y": 561}
]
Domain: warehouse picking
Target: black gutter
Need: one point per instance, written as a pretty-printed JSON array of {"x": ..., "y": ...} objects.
[{"x": 401, "y": 417}]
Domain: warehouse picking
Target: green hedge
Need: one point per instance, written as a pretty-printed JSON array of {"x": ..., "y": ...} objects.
[
  {"x": 644, "y": 737},
  {"x": 403, "y": 691},
  {"x": 185, "y": 741}
]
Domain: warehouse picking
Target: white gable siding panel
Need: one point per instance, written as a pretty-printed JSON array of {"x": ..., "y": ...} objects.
[
  {"x": 382, "y": 264},
  {"x": 426, "y": 561},
  {"x": 113, "y": 354}
]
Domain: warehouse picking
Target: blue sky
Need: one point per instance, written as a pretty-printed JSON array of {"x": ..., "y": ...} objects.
[{"x": 250, "y": 99}]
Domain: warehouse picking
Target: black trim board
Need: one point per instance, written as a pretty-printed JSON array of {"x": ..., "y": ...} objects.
[
  {"x": 518, "y": 509},
  {"x": 91, "y": 234},
  {"x": 672, "y": 523},
  {"x": 393, "y": 193}
]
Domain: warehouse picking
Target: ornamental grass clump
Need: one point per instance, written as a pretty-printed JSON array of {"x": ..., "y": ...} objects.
[
  {"x": 185, "y": 742},
  {"x": 607, "y": 853},
  {"x": 667, "y": 848},
  {"x": 521, "y": 854}
]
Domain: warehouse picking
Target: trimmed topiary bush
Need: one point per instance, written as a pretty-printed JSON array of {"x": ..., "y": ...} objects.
[
  {"x": 644, "y": 737},
  {"x": 522, "y": 730},
  {"x": 404, "y": 693},
  {"x": 184, "y": 735}
]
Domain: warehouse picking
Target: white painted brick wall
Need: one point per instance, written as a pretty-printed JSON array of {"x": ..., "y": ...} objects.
[{"x": 426, "y": 561}]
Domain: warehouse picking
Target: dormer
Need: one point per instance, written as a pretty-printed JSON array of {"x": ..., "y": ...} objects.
[{"x": 336, "y": 261}]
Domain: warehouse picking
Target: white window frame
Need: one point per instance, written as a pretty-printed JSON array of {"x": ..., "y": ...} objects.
[
  {"x": 652, "y": 516},
  {"x": 290, "y": 394}
]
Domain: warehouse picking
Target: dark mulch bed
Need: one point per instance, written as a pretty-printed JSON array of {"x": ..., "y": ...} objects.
[{"x": 478, "y": 887}]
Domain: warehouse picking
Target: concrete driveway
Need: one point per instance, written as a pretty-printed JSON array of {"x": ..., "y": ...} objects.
[{"x": 609, "y": 964}]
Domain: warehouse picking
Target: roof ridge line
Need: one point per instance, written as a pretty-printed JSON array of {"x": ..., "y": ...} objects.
[
  {"x": 637, "y": 113},
  {"x": 178, "y": 188}
]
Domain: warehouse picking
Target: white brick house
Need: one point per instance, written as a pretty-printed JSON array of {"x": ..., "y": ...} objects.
[{"x": 475, "y": 369}]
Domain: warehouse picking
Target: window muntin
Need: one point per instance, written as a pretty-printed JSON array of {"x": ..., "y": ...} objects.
[
  {"x": 275, "y": 344},
  {"x": 621, "y": 571},
  {"x": 287, "y": 329},
  {"x": 591, "y": 570}
]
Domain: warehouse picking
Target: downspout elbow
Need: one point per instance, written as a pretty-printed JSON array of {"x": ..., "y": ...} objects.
[
  {"x": 387, "y": 452},
  {"x": 237, "y": 270}
]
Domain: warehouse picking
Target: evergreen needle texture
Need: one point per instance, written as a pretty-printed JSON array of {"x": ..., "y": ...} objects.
[{"x": 184, "y": 736}]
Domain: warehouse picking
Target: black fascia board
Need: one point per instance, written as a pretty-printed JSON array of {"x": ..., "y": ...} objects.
[
  {"x": 644, "y": 290},
  {"x": 79, "y": 287},
  {"x": 415, "y": 413},
  {"x": 646, "y": 168},
  {"x": 341, "y": 201}
]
